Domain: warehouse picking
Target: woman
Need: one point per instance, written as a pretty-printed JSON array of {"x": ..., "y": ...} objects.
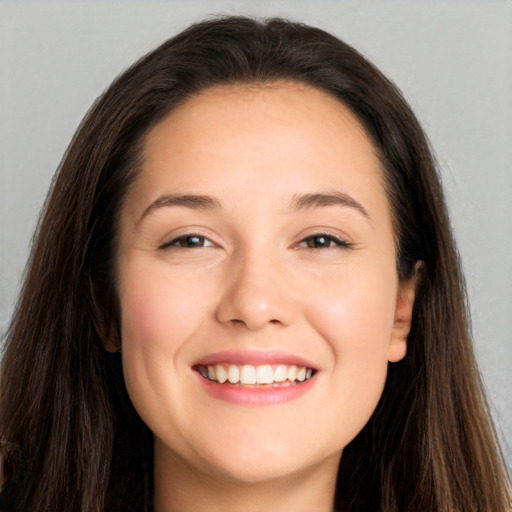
[{"x": 244, "y": 293}]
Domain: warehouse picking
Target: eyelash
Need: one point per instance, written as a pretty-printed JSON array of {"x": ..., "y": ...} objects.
[
  {"x": 181, "y": 239},
  {"x": 328, "y": 239}
]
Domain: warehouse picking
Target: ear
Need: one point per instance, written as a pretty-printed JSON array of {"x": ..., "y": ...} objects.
[
  {"x": 110, "y": 346},
  {"x": 112, "y": 341},
  {"x": 403, "y": 317}
]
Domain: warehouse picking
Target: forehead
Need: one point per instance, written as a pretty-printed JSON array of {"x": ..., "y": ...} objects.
[
  {"x": 283, "y": 137},
  {"x": 277, "y": 107}
]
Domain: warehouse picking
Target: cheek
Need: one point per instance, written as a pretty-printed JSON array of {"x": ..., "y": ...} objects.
[
  {"x": 356, "y": 328},
  {"x": 356, "y": 313},
  {"x": 158, "y": 308},
  {"x": 159, "y": 313},
  {"x": 355, "y": 318}
]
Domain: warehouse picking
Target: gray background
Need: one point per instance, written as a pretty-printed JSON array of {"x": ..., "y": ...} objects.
[{"x": 452, "y": 60}]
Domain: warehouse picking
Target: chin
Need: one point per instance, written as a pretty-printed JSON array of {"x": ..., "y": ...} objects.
[
  {"x": 261, "y": 460},
  {"x": 258, "y": 469}
]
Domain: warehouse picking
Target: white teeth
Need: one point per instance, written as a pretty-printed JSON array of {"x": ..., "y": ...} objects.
[
  {"x": 301, "y": 374},
  {"x": 251, "y": 375},
  {"x": 233, "y": 374},
  {"x": 264, "y": 374},
  {"x": 248, "y": 374},
  {"x": 221, "y": 374},
  {"x": 280, "y": 373}
]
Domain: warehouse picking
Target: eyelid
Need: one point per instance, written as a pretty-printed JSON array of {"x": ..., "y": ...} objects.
[
  {"x": 173, "y": 242},
  {"x": 338, "y": 242}
]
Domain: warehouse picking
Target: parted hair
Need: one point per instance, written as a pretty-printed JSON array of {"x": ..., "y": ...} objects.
[{"x": 67, "y": 427}]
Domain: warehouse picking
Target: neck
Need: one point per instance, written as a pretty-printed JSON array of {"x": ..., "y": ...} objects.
[{"x": 180, "y": 487}]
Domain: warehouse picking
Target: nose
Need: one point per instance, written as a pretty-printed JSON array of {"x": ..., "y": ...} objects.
[{"x": 256, "y": 294}]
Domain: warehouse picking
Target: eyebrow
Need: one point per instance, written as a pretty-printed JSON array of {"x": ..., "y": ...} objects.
[
  {"x": 196, "y": 202},
  {"x": 305, "y": 201},
  {"x": 299, "y": 202}
]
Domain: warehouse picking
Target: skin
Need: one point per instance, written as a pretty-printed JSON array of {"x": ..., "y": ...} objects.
[{"x": 255, "y": 284}]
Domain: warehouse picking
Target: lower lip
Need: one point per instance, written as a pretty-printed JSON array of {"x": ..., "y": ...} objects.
[{"x": 256, "y": 396}]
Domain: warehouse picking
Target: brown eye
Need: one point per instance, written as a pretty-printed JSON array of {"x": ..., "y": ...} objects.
[
  {"x": 319, "y": 242},
  {"x": 191, "y": 241},
  {"x": 322, "y": 241},
  {"x": 188, "y": 242}
]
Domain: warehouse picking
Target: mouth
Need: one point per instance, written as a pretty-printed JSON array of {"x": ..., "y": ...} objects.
[{"x": 255, "y": 376}]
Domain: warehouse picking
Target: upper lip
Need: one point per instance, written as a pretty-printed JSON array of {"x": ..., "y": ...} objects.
[{"x": 254, "y": 358}]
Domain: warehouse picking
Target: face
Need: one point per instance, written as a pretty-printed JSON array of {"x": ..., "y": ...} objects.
[{"x": 257, "y": 244}]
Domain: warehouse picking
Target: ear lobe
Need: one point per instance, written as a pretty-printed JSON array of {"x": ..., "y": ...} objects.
[
  {"x": 402, "y": 321},
  {"x": 112, "y": 342},
  {"x": 110, "y": 346}
]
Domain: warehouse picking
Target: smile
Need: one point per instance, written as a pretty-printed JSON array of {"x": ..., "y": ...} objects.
[
  {"x": 250, "y": 375},
  {"x": 255, "y": 377}
]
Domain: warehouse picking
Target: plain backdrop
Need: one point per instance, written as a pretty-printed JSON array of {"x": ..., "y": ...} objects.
[{"x": 452, "y": 60}]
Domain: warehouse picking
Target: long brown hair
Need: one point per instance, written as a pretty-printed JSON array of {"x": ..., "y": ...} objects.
[{"x": 66, "y": 422}]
